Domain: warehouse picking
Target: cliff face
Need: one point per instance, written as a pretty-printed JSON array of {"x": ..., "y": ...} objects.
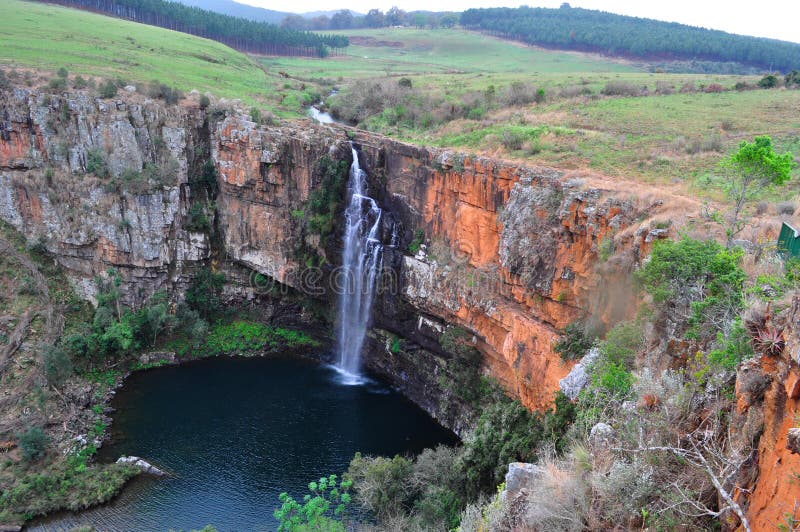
[
  {"x": 768, "y": 405},
  {"x": 511, "y": 253}
]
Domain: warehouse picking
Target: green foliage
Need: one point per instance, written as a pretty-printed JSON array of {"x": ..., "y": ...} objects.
[
  {"x": 324, "y": 509},
  {"x": 383, "y": 484},
  {"x": 196, "y": 219},
  {"x": 753, "y": 168},
  {"x": 695, "y": 277},
  {"x": 246, "y": 337},
  {"x": 394, "y": 347},
  {"x": 33, "y": 444},
  {"x": 506, "y": 432},
  {"x": 575, "y": 342},
  {"x": 107, "y": 89},
  {"x": 769, "y": 81},
  {"x": 255, "y": 115},
  {"x": 612, "y": 378},
  {"x": 416, "y": 242},
  {"x": 206, "y": 178},
  {"x": 57, "y": 84},
  {"x": 170, "y": 95},
  {"x": 57, "y": 364},
  {"x": 734, "y": 348},
  {"x": 606, "y": 248},
  {"x": 205, "y": 292},
  {"x": 62, "y": 72},
  {"x": 96, "y": 163},
  {"x": 70, "y": 485},
  {"x": 622, "y": 342},
  {"x": 464, "y": 367},
  {"x": 326, "y": 199}
]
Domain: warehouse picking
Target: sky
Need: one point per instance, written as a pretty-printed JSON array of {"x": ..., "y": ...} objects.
[{"x": 776, "y": 19}]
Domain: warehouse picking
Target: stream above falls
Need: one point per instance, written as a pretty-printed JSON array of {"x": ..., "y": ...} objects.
[{"x": 236, "y": 432}]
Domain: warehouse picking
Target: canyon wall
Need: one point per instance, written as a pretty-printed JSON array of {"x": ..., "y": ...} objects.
[{"x": 510, "y": 253}]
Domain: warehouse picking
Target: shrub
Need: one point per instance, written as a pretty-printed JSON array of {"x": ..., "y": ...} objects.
[
  {"x": 159, "y": 90},
  {"x": 511, "y": 140},
  {"x": 713, "y": 88},
  {"x": 62, "y": 72},
  {"x": 383, "y": 485},
  {"x": 786, "y": 208},
  {"x": 204, "y": 102},
  {"x": 204, "y": 292},
  {"x": 80, "y": 83},
  {"x": 506, "y": 432},
  {"x": 613, "y": 378},
  {"x": 57, "y": 84},
  {"x": 621, "y": 88},
  {"x": 622, "y": 342},
  {"x": 196, "y": 219},
  {"x": 323, "y": 509},
  {"x": 575, "y": 342},
  {"x": 57, "y": 365},
  {"x": 108, "y": 89},
  {"x": 734, "y": 348},
  {"x": 405, "y": 83},
  {"x": 33, "y": 444},
  {"x": 416, "y": 242},
  {"x": 768, "y": 82},
  {"x": 255, "y": 115},
  {"x": 96, "y": 163},
  {"x": 698, "y": 278}
]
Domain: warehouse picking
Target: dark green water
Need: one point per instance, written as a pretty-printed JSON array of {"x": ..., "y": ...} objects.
[{"x": 236, "y": 432}]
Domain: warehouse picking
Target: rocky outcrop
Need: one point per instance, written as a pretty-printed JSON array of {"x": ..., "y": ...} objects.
[
  {"x": 143, "y": 465},
  {"x": 511, "y": 252},
  {"x": 765, "y": 421}
]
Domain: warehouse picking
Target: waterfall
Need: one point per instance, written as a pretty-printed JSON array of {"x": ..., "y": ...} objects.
[{"x": 362, "y": 261}]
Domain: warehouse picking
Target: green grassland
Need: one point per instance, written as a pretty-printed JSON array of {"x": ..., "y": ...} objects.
[
  {"x": 673, "y": 131},
  {"x": 48, "y": 37}
]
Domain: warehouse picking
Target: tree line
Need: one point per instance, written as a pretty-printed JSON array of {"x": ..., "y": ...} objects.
[
  {"x": 375, "y": 18},
  {"x": 598, "y": 31},
  {"x": 238, "y": 33}
]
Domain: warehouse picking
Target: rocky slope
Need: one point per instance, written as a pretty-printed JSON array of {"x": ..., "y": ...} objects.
[{"x": 510, "y": 253}]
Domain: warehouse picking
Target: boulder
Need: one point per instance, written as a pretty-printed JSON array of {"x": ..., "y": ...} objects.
[
  {"x": 143, "y": 465},
  {"x": 793, "y": 440},
  {"x": 578, "y": 378}
]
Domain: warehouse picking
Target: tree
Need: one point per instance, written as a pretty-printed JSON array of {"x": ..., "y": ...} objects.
[
  {"x": 449, "y": 20},
  {"x": 294, "y": 22},
  {"x": 753, "y": 168},
  {"x": 33, "y": 443},
  {"x": 395, "y": 16},
  {"x": 325, "y": 508},
  {"x": 374, "y": 18},
  {"x": 342, "y": 20}
]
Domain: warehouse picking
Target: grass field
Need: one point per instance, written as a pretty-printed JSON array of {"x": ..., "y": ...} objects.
[
  {"x": 49, "y": 37},
  {"x": 656, "y": 138}
]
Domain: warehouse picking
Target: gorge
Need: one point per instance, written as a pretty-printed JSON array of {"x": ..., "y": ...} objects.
[{"x": 506, "y": 254}]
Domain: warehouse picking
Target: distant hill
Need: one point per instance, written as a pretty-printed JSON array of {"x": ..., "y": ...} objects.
[
  {"x": 618, "y": 35},
  {"x": 235, "y": 9}
]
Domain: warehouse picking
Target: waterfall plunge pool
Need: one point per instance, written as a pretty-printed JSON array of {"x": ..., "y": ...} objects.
[{"x": 236, "y": 432}]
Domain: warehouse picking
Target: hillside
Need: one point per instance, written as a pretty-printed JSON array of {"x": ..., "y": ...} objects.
[
  {"x": 45, "y": 37},
  {"x": 239, "y": 33},
  {"x": 618, "y": 35}
]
